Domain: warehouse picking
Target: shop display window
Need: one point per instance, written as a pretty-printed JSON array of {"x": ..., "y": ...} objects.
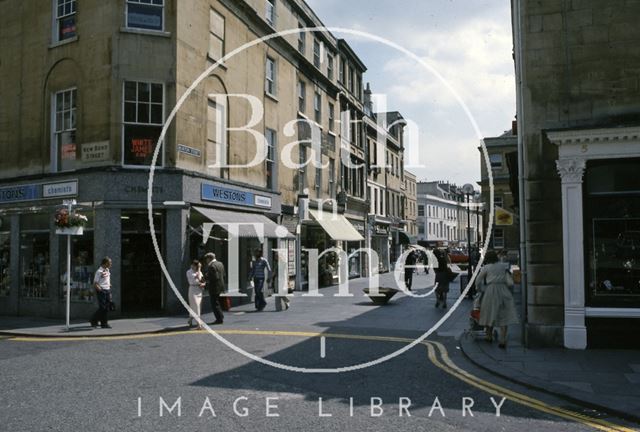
[
  {"x": 612, "y": 233},
  {"x": 5, "y": 258},
  {"x": 34, "y": 255},
  {"x": 82, "y": 267}
]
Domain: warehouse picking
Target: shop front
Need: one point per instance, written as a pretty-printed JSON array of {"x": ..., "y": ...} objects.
[
  {"x": 357, "y": 258},
  {"x": 380, "y": 244},
  {"x": 325, "y": 230},
  {"x": 601, "y": 230}
]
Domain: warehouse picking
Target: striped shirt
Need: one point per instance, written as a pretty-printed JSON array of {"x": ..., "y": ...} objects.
[{"x": 260, "y": 267}]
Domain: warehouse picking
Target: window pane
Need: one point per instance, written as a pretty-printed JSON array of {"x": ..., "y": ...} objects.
[
  {"x": 156, "y": 114},
  {"x": 144, "y": 16},
  {"x": 67, "y": 120},
  {"x": 215, "y": 47},
  {"x": 130, "y": 112},
  {"x": 67, "y": 27},
  {"x": 34, "y": 264},
  {"x": 130, "y": 91},
  {"x": 143, "y": 113},
  {"x": 156, "y": 93},
  {"x": 143, "y": 92},
  {"x": 139, "y": 144},
  {"x": 58, "y": 121},
  {"x": 216, "y": 24}
]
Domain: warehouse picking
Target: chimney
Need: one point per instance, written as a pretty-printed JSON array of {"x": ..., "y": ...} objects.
[
  {"x": 368, "y": 103},
  {"x": 514, "y": 127}
]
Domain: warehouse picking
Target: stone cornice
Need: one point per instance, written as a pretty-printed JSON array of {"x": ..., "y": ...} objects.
[{"x": 586, "y": 136}]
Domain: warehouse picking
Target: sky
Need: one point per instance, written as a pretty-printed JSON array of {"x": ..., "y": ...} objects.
[{"x": 467, "y": 47}]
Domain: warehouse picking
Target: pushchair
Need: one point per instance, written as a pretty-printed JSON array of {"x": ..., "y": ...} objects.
[{"x": 474, "y": 317}]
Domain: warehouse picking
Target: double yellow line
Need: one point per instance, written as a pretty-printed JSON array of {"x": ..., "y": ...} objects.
[
  {"x": 451, "y": 368},
  {"x": 436, "y": 352}
]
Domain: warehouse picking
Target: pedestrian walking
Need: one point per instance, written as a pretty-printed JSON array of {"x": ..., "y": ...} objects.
[
  {"x": 196, "y": 290},
  {"x": 444, "y": 275},
  {"x": 409, "y": 268},
  {"x": 215, "y": 284},
  {"x": 497, "y": 307},
  {"x": 102, "y": 285},
  {"x": 259, "y": 272}
]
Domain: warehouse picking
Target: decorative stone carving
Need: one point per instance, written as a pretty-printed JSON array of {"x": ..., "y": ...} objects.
[{"x": 571, "y": 170}]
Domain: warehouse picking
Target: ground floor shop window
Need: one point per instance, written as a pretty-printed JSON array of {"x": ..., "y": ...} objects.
[
  {"x": 34, "y": 256},
  {"x": 612, "y": 233},
  {"x": 82, "y": 267},
  {"x": 355, "y": 259},
  {"x": 5, "y": 258}
]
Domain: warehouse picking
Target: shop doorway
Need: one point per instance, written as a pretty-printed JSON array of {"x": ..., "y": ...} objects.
[{"x": 142, "y": 280}]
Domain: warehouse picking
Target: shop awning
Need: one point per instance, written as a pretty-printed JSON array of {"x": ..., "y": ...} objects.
[
  {"x": 336, "y": 225},
  {"x": 225, "y": 217},
  {"x": 403, "y": 237}
]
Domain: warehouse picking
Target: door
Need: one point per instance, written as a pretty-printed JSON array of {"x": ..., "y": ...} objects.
[{"x": 142, "y": 278}]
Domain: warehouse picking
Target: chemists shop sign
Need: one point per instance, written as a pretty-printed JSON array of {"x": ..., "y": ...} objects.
[
  {"x": 32, "y": 192},
  {"x": 234, "y": 196}
]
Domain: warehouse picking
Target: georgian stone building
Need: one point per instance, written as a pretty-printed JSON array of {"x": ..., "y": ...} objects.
[
  {"x": 502, "y": 151},
  {"x": 577, "y": 69},
  {"x": 87, "y": 86}
]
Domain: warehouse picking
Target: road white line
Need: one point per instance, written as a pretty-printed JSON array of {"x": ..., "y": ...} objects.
[{"x": 322, "y": 346}]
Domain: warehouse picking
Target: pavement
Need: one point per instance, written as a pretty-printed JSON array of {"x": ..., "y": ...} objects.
[
  {"x": 603, "y": 379},
  {"x": 599, "y": 378}
]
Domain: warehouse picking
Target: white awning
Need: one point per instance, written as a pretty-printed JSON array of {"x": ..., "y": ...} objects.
[
  {"x": 249, "y": 224},
  {"x": 336, "y": 225}
]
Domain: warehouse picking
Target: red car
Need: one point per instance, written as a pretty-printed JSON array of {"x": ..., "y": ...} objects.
[{"x": 457, "y": 256}]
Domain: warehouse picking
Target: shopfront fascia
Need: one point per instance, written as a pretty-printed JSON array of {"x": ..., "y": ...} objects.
[
  {"x": 32, "y": 265},
  {"x": 234, "y": 222},
  {"x": 601, "y": 227}
]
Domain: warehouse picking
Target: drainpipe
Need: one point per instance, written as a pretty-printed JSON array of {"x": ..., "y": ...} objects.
[{"x": 522, "y": 166}]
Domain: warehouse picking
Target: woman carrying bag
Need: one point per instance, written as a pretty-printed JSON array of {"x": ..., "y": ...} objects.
[{"x": 497, "y": 308}]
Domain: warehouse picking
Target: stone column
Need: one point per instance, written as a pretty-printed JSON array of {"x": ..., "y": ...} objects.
[
  {"x": 107, "y": 241},
  {"x": 571, "y": 171},
  {"x": 176, "y": 258},
  {"x": 16, "y": 276}
]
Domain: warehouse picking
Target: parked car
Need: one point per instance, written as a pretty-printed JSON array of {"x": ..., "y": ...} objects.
[{"x": 458, "y": 256}]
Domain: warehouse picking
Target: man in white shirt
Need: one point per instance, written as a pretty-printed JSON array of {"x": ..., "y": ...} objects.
[{"x": 102, "y": 284}]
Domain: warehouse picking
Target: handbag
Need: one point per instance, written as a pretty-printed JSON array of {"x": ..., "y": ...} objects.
[{"x": 111, "y": 306}]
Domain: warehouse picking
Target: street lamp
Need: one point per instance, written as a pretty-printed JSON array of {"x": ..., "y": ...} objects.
[{"x": 468, "y": 190}]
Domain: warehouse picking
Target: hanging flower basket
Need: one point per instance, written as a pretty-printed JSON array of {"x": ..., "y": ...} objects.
[{"x": 69, "y": 223}]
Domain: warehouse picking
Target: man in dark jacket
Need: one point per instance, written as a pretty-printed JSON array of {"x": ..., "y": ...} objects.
[
  {"x": 409, "y": 267},
  {"x": 214, "y": 278}
]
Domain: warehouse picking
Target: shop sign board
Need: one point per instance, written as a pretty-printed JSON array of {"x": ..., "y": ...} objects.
[
  {"x": 19, "y": 193},
  {"x": 189, "y": 150},
  {"x": 95, "y": 151},
  {"x": 211, "y": 192},
  {"x": 60, "y": 189}
]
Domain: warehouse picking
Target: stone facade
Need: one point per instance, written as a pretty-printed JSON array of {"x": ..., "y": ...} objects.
[
  {"x": 500, "y": 150},
  {"x": 86, "y": 90},
  {"x": 577, "y": 65}
]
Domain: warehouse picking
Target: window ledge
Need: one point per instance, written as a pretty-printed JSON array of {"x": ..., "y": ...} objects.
[
  {"x": 271, "y": 96},
  {"x": 214, "y": 61},
  {"x": 158, "y": 33},
  {"x": 63, "y": 42}
]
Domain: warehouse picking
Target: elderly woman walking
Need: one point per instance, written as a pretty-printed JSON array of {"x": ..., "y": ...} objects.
[{"x": 497, "y": 308}]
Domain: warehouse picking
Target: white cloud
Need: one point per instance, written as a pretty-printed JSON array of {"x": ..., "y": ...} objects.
[{"x": 468, "y": 43}]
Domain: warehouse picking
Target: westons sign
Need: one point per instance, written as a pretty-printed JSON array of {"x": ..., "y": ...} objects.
[{"x": 210, "y": 192}]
